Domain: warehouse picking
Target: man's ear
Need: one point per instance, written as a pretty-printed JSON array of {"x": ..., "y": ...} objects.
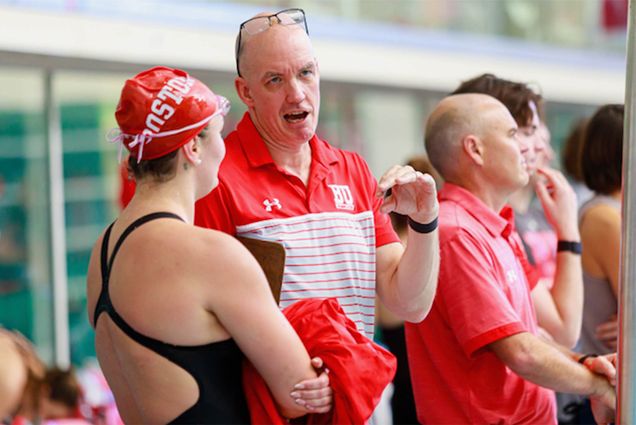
[
  {"x": 473, "y": 146},
  {"x": 243, "y": 91}
]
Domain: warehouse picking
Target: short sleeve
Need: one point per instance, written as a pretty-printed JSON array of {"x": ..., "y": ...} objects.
[
  {"x": 472, "y": 295},
  {"x": 214, "y": 211},
  {"x": 384, "y": 233}
]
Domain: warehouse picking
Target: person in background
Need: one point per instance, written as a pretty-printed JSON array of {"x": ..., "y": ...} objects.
[
  {"x": 558, "y": 298},
  {"x": 600, "y": 224},
  {"x": 60, "y": 398},
  {"x": 175, "y": 306},
  {"x": 477, "y": 358},
  {"x": 21, "y": 375},
  {"x": 571, "y": 160}
]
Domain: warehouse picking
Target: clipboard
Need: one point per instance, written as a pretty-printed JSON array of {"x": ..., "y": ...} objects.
[{"x": 271, "y": 257}]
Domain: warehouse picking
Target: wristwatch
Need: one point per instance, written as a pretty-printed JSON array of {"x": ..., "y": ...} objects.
[{"x": 571, "y": 246}]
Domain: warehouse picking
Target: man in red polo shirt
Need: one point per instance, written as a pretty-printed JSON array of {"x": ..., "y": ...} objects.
[
  {"x": 477, "y": 358},
  {"x": 281, "y": 182}
]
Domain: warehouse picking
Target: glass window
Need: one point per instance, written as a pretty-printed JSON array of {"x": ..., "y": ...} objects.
[
  {"x": 25, "y": 271},
  {"x": 86, "y": 103},
  {"x": 390, "y": 124},
  {"x": 560, "y": 118}
]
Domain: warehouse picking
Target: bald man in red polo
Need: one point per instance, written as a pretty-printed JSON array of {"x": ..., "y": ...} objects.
[{"x": 477, "y": 357}]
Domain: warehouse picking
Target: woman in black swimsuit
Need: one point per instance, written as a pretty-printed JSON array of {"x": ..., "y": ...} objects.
[{"x": 175, "y": 306}]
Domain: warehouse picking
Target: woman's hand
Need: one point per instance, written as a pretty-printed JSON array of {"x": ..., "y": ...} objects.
[
  {"x": 315, "y": 394},
  {"x": 607, "y": 333}
]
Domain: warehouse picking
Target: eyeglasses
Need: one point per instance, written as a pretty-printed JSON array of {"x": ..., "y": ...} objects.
[{"x": 259, "y": 24}]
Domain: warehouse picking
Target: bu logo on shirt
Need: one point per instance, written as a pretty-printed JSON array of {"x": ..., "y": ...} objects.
[
  {"x": 342, "y": 196},
  {"x": 269, "y": 205}
]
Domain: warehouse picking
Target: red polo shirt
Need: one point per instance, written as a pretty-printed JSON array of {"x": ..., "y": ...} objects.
[
  {"x": 330, "y": 228},
  {"x": 482, "y": 296}
]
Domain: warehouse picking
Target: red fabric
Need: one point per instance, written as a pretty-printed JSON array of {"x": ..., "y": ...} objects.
[
  {"x": 542, "y": 244},
  {"x": 482, "y": 296},
  {"x": 160, "y": 100},
  {"x": 127, "y": 186},
  {"x": 532, "y": 273},
  {"x": 359, "y": 368},
  {"x": 248, "y": 160},
  {"x": 615, "y": 14},
  {"x": 20, "y": 420}
]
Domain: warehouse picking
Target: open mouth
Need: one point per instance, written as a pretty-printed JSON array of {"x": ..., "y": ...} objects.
[{"x": 295, "y": 117}]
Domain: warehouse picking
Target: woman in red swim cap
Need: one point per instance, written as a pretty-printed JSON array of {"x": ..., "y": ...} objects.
[{"x": 174, "y": 306}]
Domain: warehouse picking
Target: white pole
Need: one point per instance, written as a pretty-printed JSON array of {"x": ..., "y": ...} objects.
[
  {"x": 58, "y": 227},
  {"x": 627, "y": 301}
]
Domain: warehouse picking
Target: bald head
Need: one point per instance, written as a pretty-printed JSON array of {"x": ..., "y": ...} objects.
[
  {"x": 454, "y": 118},
  {"x": 267, "y": 32}
]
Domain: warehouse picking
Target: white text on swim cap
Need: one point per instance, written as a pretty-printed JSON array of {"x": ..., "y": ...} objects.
[{"x": 161, "y": 108}]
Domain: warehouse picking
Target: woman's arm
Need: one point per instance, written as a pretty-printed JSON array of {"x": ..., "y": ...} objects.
[
  {"x": 244, "y": 305},
  {"x": 601, "y": 238}
]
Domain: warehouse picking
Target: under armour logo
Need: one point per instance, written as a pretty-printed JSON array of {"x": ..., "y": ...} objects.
[
  {"x": 342, "y": 196},
  {"x": 269, "y": 205}
]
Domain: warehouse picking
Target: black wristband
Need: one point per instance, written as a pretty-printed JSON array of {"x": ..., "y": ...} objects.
[
  {"x": 585, "y": 357},
  {"x": 570, "y": 246},
  {"x": 423, "y": 228}
]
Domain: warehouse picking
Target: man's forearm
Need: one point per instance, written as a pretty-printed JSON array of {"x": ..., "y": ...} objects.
[
  {"x": 407, "y": 279},
  {"x": 548, "y": 366},
  {"x": 410, "y": 290}
]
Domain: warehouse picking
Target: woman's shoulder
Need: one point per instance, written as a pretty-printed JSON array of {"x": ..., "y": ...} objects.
[
  {"x": 600, "y": 214},
  {"x": 213, "y": 239},
  {"x": 214, "y": 249},
  {"x": 600, "y": 222},
  {"x": 599, "y": 203}
]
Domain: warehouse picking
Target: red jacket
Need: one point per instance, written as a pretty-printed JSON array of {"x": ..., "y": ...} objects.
[{"x": 359, "y": 368}]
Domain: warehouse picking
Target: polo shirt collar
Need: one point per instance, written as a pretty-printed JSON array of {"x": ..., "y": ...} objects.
[
  {"x": 252, "y": 143},
  {"x": 257, "y": 154},
  {"x": 501, "y": 224}
]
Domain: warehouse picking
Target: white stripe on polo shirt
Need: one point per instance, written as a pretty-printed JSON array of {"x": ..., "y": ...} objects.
[{"x": 330, "y": 254}]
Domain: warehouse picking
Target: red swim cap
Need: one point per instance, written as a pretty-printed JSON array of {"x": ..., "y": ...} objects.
[{"x": 162, "y": 109}]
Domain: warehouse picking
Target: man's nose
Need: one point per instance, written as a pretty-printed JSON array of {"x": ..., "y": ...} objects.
[{"x": 295, "y": 93}]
